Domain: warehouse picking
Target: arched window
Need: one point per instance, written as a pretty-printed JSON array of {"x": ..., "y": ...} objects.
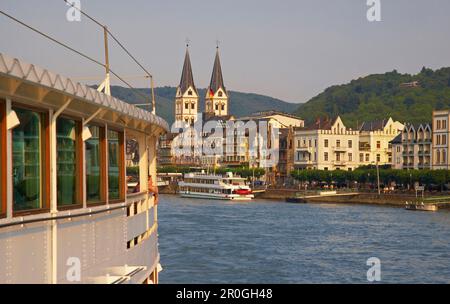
[
  {"x": 190, "y": 92},
  {"x": 220, "y": 94}
]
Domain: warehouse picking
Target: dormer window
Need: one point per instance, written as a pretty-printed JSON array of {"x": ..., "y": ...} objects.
[{"x": 190, "y": 92}]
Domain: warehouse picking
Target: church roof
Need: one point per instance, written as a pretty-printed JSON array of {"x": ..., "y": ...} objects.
[
  {"x": 216, "y": 77},
  {"x": 187, "y": 79}
]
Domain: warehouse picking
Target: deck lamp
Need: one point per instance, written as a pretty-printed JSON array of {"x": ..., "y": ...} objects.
[
  {"x": 86, "y": 134},
  {"x": 12, "y": 120}
]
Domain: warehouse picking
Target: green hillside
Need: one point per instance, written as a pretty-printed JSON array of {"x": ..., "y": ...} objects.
[
  {"x": 382, "y": 95},
  {"x": 241, "y": 104}
]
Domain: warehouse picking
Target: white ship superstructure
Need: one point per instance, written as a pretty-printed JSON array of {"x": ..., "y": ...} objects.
[{"x": 65, "y": 214}]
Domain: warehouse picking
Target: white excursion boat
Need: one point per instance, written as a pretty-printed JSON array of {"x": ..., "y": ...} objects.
[{"x": 212, "y": 186}]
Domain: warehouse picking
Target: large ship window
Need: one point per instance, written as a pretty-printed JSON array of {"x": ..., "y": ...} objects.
[
  {"x": 95, "y": 169},
  {"x": 115, "y": 165},
  {"x": 30, "y": 159},
  {"x": 68, "y": 158},
  {"x": 2, "y": 159}
]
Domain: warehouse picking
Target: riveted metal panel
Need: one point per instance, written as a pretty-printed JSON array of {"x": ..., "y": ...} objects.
[
  {"x": 137, "y": 225},
  {"x": 27, "y": 254}
]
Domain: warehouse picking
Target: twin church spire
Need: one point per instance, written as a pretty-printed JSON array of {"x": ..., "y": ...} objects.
[{"x": 186, "y": 100}]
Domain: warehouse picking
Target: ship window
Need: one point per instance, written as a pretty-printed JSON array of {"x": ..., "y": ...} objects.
[
  {"x": 30, "y": 159},
  {"x": 68, "y": 162},
  {"x": 94, "y": 165},
  {"x": 2, "y": 158},
  {"x": 115, "y": 166}
]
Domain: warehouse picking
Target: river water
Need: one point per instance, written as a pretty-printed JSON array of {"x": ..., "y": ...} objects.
[{"x": 206, "y": 241}]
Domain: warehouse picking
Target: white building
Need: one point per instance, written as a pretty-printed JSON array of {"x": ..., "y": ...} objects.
[
  {"x": 327, "y": 145},
  {"x": 374, "y": 141}
]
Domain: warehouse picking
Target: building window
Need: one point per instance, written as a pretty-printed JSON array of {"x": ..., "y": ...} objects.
[
  {"x": 378, "y": 144},
  {"x": 2, "y": 158},
  {"x": 326, "y": 143},
  {"x": 444, "y": 140},
  {"x": 438, "y": 124},
  {"x": 438, "y": 157},
  {"x": 190, "y": 93},
  {"x": 193, "y": 106},
  {"x": 325, "y": 156},
  {"x": 186, "y": 105},
  {"x": 338, "y": 157},
  {"x": 68, "y": 158},
  {"x": 350, "y": 144},
  {"x": 223, "y": 107},
  {"x": 367, "y": 157},
  {"x": 444, "y": 154},
  {"x": 115, "y": 165},
  {"x": 309, "y": 143},
  {"x": 95, "y": 169},
  {"x": 378, "y": 158},
  {"x": 361, "y": 157},
  {"x": 30, "y": 161},
  {"x": 220, "y": 94},
  {"x": 350, "y": 157},
  {"x": 217, "y": 107},
  {"x": 338, "y": 143}
]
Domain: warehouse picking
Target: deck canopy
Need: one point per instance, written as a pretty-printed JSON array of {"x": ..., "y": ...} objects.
[{"x": 31, "y": 84}]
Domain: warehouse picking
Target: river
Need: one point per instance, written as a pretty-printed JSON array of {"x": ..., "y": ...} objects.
[{"x": 206, "y": 241}]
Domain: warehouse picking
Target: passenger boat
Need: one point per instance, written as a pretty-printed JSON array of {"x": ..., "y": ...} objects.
[{"x": 212, "y": 186}]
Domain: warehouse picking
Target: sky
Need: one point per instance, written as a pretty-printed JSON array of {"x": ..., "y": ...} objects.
[{"x": 288, "y": 49}]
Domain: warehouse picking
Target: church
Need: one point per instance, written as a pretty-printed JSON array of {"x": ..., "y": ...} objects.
[{"x": 187, "y": 97}]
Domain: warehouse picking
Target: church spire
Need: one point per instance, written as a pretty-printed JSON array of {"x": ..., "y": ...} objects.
[
  {"x": 187, "y": 79},
  {"x": 216, "y": 77}
]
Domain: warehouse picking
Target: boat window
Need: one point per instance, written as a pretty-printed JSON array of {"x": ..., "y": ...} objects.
[
  {"x": 94, "y": 165},
  {"x": 68, "y": 143},
  {"x": 30, "y": 151},
  {"x": 115, "y": 165},
  {"x": 2, "y": 158}
]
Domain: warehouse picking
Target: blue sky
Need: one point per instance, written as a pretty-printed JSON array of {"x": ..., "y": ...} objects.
[{"x": 287, "y": 49}]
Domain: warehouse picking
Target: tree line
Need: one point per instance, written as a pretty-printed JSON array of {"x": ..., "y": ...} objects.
[{"x": 368, "y": 175}]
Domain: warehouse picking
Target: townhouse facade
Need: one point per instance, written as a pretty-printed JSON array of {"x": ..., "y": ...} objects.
[
  {"x": 412, "y": 149},
  {"x": 327, "y": 145},
  {"x": 374, "y": 141},
  {"x": 440, "y": 145}
]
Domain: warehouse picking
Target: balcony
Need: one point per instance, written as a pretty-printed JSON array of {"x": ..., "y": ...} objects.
[
  {"x": 339, "y": 162},
  {"x": 339, "y": 149},
  {"x": 304, "y": 149}
]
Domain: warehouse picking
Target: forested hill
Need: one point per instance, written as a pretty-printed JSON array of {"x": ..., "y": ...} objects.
[
  {"x": 382, "y": 95},
  {"x": 241, "y": 104}
]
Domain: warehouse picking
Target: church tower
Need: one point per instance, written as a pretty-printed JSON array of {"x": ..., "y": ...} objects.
[
  {"x": 186, "y": 99},
  {"x": 216, "y": 100}
]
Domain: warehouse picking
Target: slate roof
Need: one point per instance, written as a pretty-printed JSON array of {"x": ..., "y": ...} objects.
[
  {"x": 187, "y": 78},
  {"x": 216, "y": 77}
]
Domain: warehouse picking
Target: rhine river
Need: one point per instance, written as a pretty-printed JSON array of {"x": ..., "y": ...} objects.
[{"x": 205, "y": 241}]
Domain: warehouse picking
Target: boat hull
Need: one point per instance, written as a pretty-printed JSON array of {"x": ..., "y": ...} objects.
[{"x": 217, "y": 197}]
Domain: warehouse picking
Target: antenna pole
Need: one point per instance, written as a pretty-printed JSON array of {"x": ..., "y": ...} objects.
[{"x": 152, "y": 86}]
